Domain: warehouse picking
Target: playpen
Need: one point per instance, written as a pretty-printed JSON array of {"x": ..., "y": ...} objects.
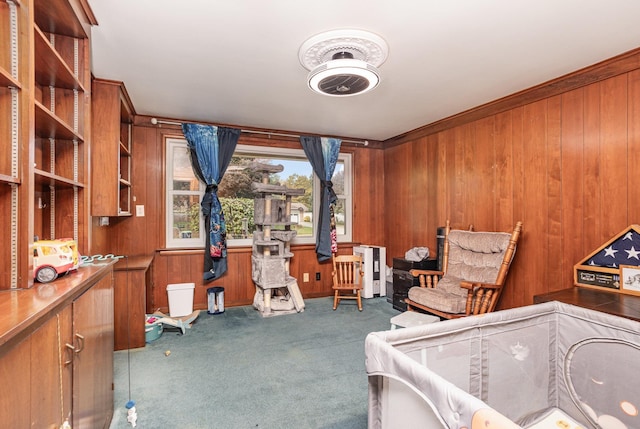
[{"x": 547, "y": 365}]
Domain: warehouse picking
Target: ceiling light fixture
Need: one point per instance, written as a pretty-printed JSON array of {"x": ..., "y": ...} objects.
[{"x": 343, "y": 62}]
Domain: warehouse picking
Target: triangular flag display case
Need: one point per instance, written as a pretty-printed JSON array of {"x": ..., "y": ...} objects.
[{"x": 614, "y": 266}]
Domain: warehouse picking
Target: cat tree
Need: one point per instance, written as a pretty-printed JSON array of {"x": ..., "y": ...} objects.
[{"x": 277, "y": 292}]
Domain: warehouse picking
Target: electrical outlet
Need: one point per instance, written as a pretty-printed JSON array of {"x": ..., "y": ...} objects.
[
  {"x": 139, "y": 210},
  {"x": 305, "y": 278},
  {"x": 317, "y": 276}
]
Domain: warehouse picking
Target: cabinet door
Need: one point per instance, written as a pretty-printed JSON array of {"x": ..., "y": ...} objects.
[
  {"x": 93, "y": 360},
  {"x": 111, "y": 149},
  {"x": 51, "y": 372},
  {"x": 14, "y": 370}
]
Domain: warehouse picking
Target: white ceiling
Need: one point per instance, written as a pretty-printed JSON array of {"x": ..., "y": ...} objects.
[{"x": 236, "y": 61}]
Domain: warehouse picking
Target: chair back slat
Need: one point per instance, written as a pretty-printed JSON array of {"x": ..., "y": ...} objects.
[{"x": 345, "y": 268}]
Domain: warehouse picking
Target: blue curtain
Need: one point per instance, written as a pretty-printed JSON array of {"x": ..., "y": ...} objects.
[
  {"x": 322, "y": 153},
  {"x": 210, "y": 149}
]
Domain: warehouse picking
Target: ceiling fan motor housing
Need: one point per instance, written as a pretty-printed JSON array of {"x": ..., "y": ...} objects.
[{"x": 343, "y": 62}]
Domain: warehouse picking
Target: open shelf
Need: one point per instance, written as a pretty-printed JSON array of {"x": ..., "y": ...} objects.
[
  {"x": 58, "y": 16},
  {"x": 48, "y": 125},
  {"x": 46, "y": 178},
  {"x": 7, "y": 80},
  {"x": 50, "y": 68}
]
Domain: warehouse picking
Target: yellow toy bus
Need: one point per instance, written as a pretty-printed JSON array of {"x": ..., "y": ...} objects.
[{"x": 52, "y": 258}]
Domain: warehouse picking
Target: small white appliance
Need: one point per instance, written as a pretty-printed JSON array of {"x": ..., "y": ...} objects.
[{"x": 373, "y": 260}]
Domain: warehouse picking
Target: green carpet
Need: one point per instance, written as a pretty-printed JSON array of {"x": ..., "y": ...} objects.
[{"x": 238, "y": 370}]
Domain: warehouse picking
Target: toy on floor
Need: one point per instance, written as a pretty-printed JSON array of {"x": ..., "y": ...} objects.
[
  {"x": 181, "y": 323},
  {"x": 132, "y": 416}
]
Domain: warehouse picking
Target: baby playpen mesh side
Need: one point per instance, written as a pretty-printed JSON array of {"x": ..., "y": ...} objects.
[{"x": 515, "y": 362}]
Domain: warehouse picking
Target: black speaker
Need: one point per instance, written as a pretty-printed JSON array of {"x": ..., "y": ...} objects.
[{"x": 440, "y": 243}]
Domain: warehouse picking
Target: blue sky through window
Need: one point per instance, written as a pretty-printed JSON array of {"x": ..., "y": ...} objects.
[{"x": 302, "y": 168}]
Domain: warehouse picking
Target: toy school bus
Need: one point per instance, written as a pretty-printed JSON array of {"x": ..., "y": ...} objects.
[{"x": 54, "y": 257}]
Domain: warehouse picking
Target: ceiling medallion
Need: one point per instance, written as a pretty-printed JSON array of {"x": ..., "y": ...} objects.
[{"x": 343, "y": 62}]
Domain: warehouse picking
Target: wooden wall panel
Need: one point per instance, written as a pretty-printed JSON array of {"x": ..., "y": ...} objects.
[
  {"x": 554, "y": 266},
  {"x": 186, "y": 267},
  {"x": 368, "y": 171},
  {"x": 430, "y": 193},
  {"x": 572, "y": 141},
  {"x": 515, "y": 295},
  {"x": 410, "y": 224},
  {"x": 633, "y": 102},
  {"x": 613, "y": 156},
  {"x": 400, "y": 183},
  {"x": 145, "y": 235},
  {"x": 503, "y": 171},
  {"x": 592, "y": 197},
  {"x": 562, "y": 164},
  {"x": 482, "y": 181},
  {"x": 442, "y": 211},
  {"x": 535, "y": 244}
]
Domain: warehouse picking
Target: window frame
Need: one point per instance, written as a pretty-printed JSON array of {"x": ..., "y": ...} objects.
[
  {"x": 175, "y": 243},
  {"x": 346, "y": 158}
]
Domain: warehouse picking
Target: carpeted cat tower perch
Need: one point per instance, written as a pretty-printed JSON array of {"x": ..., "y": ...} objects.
[{"x": 277, "y": 292}]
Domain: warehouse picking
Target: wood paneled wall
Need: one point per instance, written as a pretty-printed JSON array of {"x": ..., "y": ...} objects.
[
  {"x": 560, "y": 157},
  {"x": 564, "y": 164},
  {"x": 145, "y": 235}
]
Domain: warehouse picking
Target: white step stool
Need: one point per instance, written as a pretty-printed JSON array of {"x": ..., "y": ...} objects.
[{"x": 412, "y": 318}]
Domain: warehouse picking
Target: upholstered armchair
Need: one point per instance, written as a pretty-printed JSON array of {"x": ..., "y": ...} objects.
[{"x": 475, "y": 266}]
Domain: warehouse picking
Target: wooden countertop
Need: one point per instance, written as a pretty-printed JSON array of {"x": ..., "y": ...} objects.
[
  {"x": 618, "y": 304},
  {"x": 128, "y": 263},
  {"x": 22, "y": 311}
]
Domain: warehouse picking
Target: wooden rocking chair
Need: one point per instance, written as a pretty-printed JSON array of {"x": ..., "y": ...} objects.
[
  {"x": 475, "y": 266},
  {"x": 347, "y": 279}
]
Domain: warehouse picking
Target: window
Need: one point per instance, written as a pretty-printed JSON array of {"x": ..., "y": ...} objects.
[
  {"x": 184, "y": 192},
  {"x": 184, "y": 221}
]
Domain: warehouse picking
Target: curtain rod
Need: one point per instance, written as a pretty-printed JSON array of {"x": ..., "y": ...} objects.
[{"x": 156, "y": 121}]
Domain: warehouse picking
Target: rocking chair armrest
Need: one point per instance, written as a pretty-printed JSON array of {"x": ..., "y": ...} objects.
[{"x": 478, "y": 285}]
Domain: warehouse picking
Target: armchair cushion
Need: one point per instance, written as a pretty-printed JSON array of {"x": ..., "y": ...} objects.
[
  {"x": 476, "y": 256},
  {"x": 447, "y": 297}
]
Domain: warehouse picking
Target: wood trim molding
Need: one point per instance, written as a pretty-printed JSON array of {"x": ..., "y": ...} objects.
[{"x": 606, "y": 69}]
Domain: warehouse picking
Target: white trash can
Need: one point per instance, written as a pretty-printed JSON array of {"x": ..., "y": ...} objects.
[{"x": 180, "y": 299}]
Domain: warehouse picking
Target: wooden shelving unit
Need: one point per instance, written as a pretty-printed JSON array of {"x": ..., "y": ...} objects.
[
  {"x": 14, "y": 111},
  {"x": 61, "y": 70},
  {"x": 45, "y": 106},
  {"x": 44, "y": 116},
  {"x": 113, "y": 113}
]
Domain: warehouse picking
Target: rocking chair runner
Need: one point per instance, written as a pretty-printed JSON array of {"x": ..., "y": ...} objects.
[{"x": 475, "y": 266}]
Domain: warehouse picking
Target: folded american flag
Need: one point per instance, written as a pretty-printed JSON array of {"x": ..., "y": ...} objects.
[{"x": 624, "y": 250}]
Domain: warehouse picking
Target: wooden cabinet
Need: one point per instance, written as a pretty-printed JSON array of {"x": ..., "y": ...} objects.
[
  {"x": 132, "y": 276},
  {"x": 57, "y": 360},
  {"x": 51, "y": 365},
  {"x": 44, "y": 119},
  {"x": 112, "y": 114},
  {"x": 93, "y": 356}
]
